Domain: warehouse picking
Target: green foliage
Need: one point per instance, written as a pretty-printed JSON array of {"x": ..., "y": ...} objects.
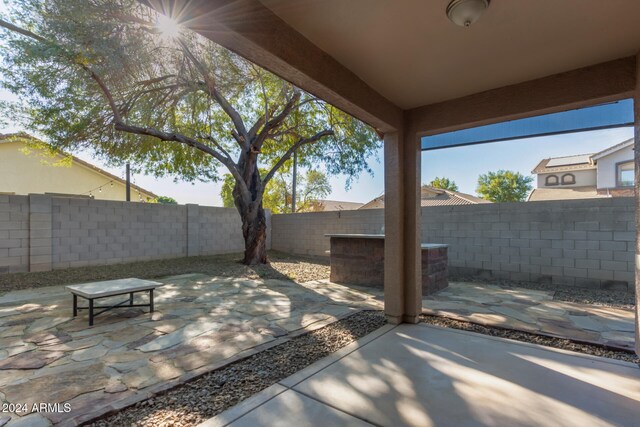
[
  {"x": 165, "y": 200},
  {"x": 310, "y": 188},
  {"x": 444, "y": 183},
  {"x": 504, "y": 186},
  {"x": 156, "y": 84}
]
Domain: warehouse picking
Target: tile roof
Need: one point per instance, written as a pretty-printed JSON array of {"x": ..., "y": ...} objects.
[
  {"x": 335, "y": 205},
  {"x": 431, "y": 196},
  {"x": 543, "y": 166},
  {"x": 573, "y": 193}
]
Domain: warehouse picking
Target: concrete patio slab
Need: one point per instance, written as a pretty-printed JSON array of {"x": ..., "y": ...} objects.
[
  {"x": 419, "y": 375},
  {"x": 292, "y": 409}
]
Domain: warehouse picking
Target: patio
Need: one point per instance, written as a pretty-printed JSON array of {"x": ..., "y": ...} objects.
[
  {"x": 201, "y": 323},
  {"x": 418, "y": 375},
  {"x": 535, "y": 311},
  {"x": 204, "y": 322}
]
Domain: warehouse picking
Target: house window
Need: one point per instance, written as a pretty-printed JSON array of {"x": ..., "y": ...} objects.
[
  {"x": 625, "y": 174},
  {"x": 568, "y": 179},
  {"x": 551, "y": 180}
]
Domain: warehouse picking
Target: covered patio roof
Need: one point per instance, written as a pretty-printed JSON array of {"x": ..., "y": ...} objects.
[{"x": 404, "y": 68}]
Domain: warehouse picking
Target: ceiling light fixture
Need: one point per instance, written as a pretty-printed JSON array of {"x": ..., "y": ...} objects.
[{"x": 466, "y": 12}]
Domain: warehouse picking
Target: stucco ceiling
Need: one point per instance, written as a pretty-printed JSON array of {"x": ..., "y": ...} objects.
[{"x": 413, "y": 55}]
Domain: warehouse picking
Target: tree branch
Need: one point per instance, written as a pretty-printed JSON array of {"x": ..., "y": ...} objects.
[
  {"x": 278, "y": 119},
  {"x": 220, "y": 99},
  {"x": 173, "y": 137},
  {"x": 290, "y": 151}
]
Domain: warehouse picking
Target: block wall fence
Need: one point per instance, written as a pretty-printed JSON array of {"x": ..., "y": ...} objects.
[
  {"x": 41, "y": 233},
  {"x": 583, "y": 243}
]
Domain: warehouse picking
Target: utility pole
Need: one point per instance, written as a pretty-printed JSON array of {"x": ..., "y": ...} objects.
[
  {"x": 295, "y": 173},
  {"x": 128, "y": 183}
]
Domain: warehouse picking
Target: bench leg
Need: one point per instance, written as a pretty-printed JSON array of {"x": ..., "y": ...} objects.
[
  {"x": 91, "y": 312},
  {"x": 75, "y": 305},
  {"x": 151, "y": 300},
  {"x": 131, "y": 298}
]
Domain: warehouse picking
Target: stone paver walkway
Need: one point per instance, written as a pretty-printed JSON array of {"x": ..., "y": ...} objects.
[
  {"x": 534, "y": 311},
  {"x": 200, "y": 323}
]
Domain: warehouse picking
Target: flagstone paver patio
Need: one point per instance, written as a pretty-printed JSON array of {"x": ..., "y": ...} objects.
[
  {"x": 201, "y": 322},
  {"x": 534, "y": 311}
]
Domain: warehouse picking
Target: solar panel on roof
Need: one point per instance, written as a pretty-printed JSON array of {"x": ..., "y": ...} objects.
[{"x": 570, "y": 160}]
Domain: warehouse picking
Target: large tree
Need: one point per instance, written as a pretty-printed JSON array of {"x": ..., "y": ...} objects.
[
  {"x": 115, "y": 77},
  {"x": 504, "y": 186},
  {"x": 444, "y": 183}
]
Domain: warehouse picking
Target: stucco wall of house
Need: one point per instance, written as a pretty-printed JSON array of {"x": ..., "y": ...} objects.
[
  {"x": 583, "y": 179},
  {"x": 41, "y": 233},
  {"x": 607, "y": 167},
  {"x": 584, "y": 243},
  {"x": 34, "y": 172}
]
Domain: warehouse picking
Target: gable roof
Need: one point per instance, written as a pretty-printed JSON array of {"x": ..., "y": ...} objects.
[
  {"x": 571, "y": 193},
  {"x": 431, "y": 196},
  {"x": 615, "y": 148},
  {"x": 564, "y": 164},
  {"x": 578, "y": 162},
  {"x": 17, "y": 137},
  {"x": 336, "y": 205}
]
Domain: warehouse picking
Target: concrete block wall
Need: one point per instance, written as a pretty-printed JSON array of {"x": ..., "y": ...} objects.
[
  {"x": 90, "y": 232},
  {"x": 14, "y": 234},
  {"x": 220, "y": 225},
  {"x": 41, "y": 233},
  {"x": 584, "y": 243},
  {"x": 304, "y": 233}
]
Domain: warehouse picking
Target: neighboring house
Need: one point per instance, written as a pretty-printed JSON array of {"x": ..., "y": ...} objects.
[
  {"x": 431, "y": 196},
  {"x": 27, "y": 168},
  {"x": 608, "y": 173},
  {"x": 334, "y": 205}
]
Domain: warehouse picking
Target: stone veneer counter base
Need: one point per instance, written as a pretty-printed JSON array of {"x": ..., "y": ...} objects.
[{"x": 358, "y": 259}]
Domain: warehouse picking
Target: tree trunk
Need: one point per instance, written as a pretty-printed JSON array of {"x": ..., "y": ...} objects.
[{"x": 254, "y": 230}]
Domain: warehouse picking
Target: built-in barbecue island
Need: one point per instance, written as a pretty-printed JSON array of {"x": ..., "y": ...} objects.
[{"x": 358, "y": 259}]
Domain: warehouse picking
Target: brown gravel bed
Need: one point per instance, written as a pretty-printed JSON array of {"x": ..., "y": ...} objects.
[
  {"x": 561, "y": 343},
  {"x": 194, "y": 402},
  {"x": 602, "y": 297},
  {"x": 282, "y": 266}
]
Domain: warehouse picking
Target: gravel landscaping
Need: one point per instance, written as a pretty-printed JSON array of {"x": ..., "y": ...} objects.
[
  {"x": 564, "y": 344},
  {"x": 282, "y": 266},
  {"x": 606, "y": 298},
  {"x": 298, "y": 268},
  {"x": 194, "y": 402}
]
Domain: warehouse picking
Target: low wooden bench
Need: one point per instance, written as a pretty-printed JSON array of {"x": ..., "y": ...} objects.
[{"x": 110, "y": 288}]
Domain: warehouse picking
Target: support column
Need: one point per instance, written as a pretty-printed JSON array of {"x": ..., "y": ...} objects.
[
  {"x": 402, "y": 262},
  {"x": 636, "y": 116}
]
